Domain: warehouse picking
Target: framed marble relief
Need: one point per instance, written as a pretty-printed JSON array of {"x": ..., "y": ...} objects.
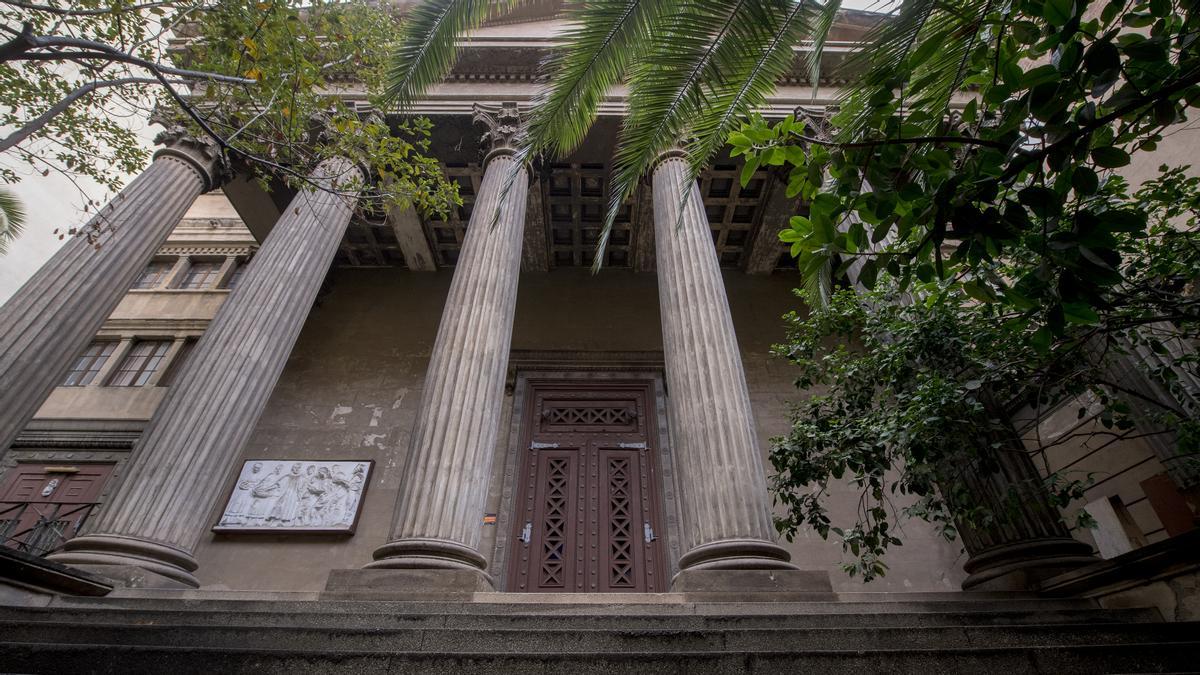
[{"x": 296, "y": 496}]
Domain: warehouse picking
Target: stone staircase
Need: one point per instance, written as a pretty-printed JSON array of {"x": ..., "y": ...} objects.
[{"x": 860, "y": 633}]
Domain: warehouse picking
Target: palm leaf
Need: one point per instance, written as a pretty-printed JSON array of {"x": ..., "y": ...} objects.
[
  {"x": 928, "y": 42},
  {"x": 758, "y": 58},
  {"x": 819, "y": 34},
  {"x": 12, "y": 219},
  {"x": 666, "y": 92},
  {"x": 608, "y": 35},
  {"x": 430, "y": 44}
]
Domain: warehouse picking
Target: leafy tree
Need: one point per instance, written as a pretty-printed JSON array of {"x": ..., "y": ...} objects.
[
  {"x": 256, "y": 76},
  {"x": 909, "y": 389},
  {"x": 1000, "y": 193},
  {"x": 969, "y": 180}
]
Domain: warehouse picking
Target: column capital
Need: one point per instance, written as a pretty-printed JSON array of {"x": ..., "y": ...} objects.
[
  {"x": 201, "y": 153},
  {"x": 505, "y": 130},
  {"x": 676, "y": 151}
]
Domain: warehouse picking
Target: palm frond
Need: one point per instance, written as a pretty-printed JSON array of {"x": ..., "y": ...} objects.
[
  {"x": 430, "y": 44},
  {"x": 608, "y": 35},
  {"x": 819, "y": 34},
  {"x": 667, "y": 90},
  {"x": 12, "y": 219},
  {"x": 926, "y": 43},
  {"x": 757, "y": 59}
]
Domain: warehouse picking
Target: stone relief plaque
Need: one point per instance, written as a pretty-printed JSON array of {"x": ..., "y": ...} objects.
[{"x": 296, "y": 495}]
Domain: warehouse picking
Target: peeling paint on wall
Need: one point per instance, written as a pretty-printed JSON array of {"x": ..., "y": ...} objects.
[{"x": 338, "y": 416}]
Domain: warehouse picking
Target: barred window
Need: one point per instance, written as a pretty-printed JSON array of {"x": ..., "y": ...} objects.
[
  {"x": 144, "y": 358},
  {"x": 153, "y": 275},
  {"x": 89, "y": 363},
  {"x": 200, "y": 274}
]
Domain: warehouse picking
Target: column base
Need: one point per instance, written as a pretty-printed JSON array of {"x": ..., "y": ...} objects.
[
  {"x": 1022, "y": 566},
  {"x": 741, "y": 585},
  {"x": 131, "y": 562},
  {"x": 737, "y": 554},
  {"x": 437, "y": 554},
  {"x": 407, "y": 583}
]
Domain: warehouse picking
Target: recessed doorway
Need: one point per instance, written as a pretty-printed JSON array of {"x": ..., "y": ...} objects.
[{"x": 587, "y": 513}]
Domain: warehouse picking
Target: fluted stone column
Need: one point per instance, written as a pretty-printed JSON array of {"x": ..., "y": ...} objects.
[
  {"x": 162, "y": 507},
  {"x": 721, "y": 483},
  {"x": 58, "y": 311},
  {"x": 445, "y": 483}
]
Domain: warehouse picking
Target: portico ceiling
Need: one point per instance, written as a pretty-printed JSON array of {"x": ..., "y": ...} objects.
[{"x": 566, "y": 209}]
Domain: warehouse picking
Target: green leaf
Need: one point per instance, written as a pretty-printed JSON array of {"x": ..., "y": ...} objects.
[
  {"x": 1110, "y": 157},
  {"x": 1085, "y": 181},
  {"x": 1041, "y": 200},
  {"x": 749, "y": 168},
  {"x": 1080, "y": 312},
  {"x": 1041, "y": 338},
  {"x": 1058, "y": 12},
  {"x": 978, "y": 291}
]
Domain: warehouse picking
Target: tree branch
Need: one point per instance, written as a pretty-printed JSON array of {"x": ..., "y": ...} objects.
[
  {"x": 36, "y": 124},
  {"x": 99, "y": 50},
  {"x": 82, "y": 12}
]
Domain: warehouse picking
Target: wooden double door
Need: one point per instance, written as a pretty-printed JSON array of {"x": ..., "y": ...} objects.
[
  {"x": 588, "y": 507},
  {"x": 43, "y": 505}
]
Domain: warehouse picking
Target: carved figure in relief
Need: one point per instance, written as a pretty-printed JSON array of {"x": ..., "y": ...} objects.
[
  {"x": 291, "y": 489},
  {"x": 239, "y": 506},
  {"x": 263, "y": 496},
  {"x": 299, "y": 495},
  {"x": 303, "y": 514},
  {"x": 318, "y": 489},
  {"x": 339, "y": 496}
]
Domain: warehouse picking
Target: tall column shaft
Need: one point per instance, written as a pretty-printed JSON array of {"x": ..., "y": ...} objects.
[
  {"x": 162, "y": 507},
  {"x": 722, "y": 485},
  {"x": 444, "y": 489},
  {"x": 1028, "y": 540},
  {"x": 58, "y": 311}
]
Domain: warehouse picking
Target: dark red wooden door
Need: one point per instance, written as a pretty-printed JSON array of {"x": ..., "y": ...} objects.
[
  {"x": 588, "y": 508},
  {"x": 43, "y": 505}
]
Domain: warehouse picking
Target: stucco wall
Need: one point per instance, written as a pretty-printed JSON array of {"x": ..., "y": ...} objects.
[{"x": 353, "y": 384}]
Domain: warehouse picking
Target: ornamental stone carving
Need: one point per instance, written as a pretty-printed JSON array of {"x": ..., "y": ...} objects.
[
  {"x": 504, "y": 131},
  {"x": 202, "y": 154}
]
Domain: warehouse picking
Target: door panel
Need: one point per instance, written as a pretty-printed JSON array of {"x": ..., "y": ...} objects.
[
  {"x": 588, "y": 497},
  {"x": 43, "y": 505}
]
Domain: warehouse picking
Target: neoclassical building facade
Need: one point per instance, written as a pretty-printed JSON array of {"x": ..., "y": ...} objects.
[{"x": 282, "y": 393}]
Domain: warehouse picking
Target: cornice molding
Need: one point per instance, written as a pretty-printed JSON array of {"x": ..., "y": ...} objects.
[{"x": 207, "y": 249}]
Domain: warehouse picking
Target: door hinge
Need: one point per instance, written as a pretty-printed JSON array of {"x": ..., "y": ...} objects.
[
  {"x": 526, "y": 532},
  {"x": 542, "y": 446},
  {"x": 632, "y": 446},
  {"x": 649, "y": 532}
]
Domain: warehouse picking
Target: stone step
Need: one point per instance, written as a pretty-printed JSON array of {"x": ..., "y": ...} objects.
[
  {"x": 607, "y": 640},
  {"x": 1015, "y": 604},
  {"x": 616, "y": 618},
  {"x": 1059, "y": 660}
]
